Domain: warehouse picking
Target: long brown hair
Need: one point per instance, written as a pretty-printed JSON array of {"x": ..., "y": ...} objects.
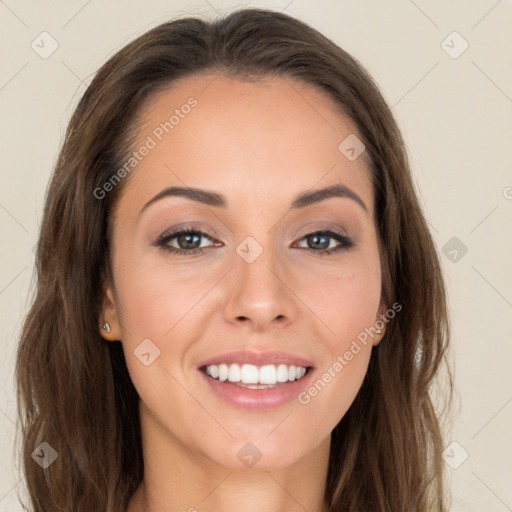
[{"x": 74, "y": 390}]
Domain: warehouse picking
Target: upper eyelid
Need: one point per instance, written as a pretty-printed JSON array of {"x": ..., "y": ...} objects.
[{"x": 215, "y": 238}]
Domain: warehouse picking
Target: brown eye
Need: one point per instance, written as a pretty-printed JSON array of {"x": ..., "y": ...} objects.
[{"x": 188, "y": 241}]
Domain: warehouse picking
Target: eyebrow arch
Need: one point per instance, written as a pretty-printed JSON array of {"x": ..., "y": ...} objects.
[
  {"x": 218, "y": 200},
  {"x": 316, "y": 196}
]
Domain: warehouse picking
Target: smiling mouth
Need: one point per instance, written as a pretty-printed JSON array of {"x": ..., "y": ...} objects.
[{"x": 250, "y": 376}]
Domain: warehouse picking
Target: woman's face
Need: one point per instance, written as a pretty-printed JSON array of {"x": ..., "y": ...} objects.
[{"x": 251, "y": 283}]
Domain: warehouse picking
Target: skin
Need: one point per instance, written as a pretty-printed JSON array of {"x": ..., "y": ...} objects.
[{"x": 260, "y": 145}]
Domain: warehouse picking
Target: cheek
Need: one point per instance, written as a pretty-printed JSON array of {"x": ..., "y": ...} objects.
[
  {"x": 154, "y": 296},
  {"x": 345, "y": 299},
  {"x": 326, "y": 401},
  {"x": 164, "y": 304},
  {"x": 347, "y": 307}
]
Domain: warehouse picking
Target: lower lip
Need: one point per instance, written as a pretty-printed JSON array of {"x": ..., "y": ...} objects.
[{"x": 258, "y": 399}]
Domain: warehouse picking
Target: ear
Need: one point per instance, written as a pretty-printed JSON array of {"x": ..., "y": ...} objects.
[
  {"x": 109, "y": 314},
  {"x": 381, "y": 314}
]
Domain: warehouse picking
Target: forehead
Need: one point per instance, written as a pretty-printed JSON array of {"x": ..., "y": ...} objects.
[{"x": 274, "y": 133}]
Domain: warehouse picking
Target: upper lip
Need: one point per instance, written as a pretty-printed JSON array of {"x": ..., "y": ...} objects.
[{"x": 256, "y": 358}]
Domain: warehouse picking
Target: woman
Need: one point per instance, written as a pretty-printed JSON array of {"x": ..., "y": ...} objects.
[{"x": 239, "y": 303}]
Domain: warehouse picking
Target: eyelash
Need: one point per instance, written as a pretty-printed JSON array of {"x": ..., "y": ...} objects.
[{"x": 162, "y": 242}]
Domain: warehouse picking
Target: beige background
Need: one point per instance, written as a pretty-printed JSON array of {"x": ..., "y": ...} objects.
[{"x": 456, "y": 115}]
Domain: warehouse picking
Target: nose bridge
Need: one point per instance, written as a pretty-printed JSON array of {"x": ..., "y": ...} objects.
[{"x": 258, "y": 292}]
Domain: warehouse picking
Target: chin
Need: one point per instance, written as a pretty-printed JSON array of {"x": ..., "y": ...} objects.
[{"x": 261, "y": 453}]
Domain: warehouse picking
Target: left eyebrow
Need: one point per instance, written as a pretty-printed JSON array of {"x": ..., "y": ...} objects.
[{"x": 316, "y": 196}]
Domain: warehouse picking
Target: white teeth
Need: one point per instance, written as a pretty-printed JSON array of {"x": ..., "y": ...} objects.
[
  {"x": 214, "y": 371},
  {"x": 223, "y": 372},
  {"x": 282, "y": 373},
  {"x": 267, "y": 374},
  {"x": 234, "y": 374},
  {"x": 251, "y": 374}
]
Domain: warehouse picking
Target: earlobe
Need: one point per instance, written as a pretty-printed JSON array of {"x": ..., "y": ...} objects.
[
  {"x": 110, "y": 329},
  {"x": 377, "y": 338},
  {"x": 380, "y": 325}
]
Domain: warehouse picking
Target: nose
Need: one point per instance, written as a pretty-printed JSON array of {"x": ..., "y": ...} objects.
[{"x": 259, "y": 292}]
